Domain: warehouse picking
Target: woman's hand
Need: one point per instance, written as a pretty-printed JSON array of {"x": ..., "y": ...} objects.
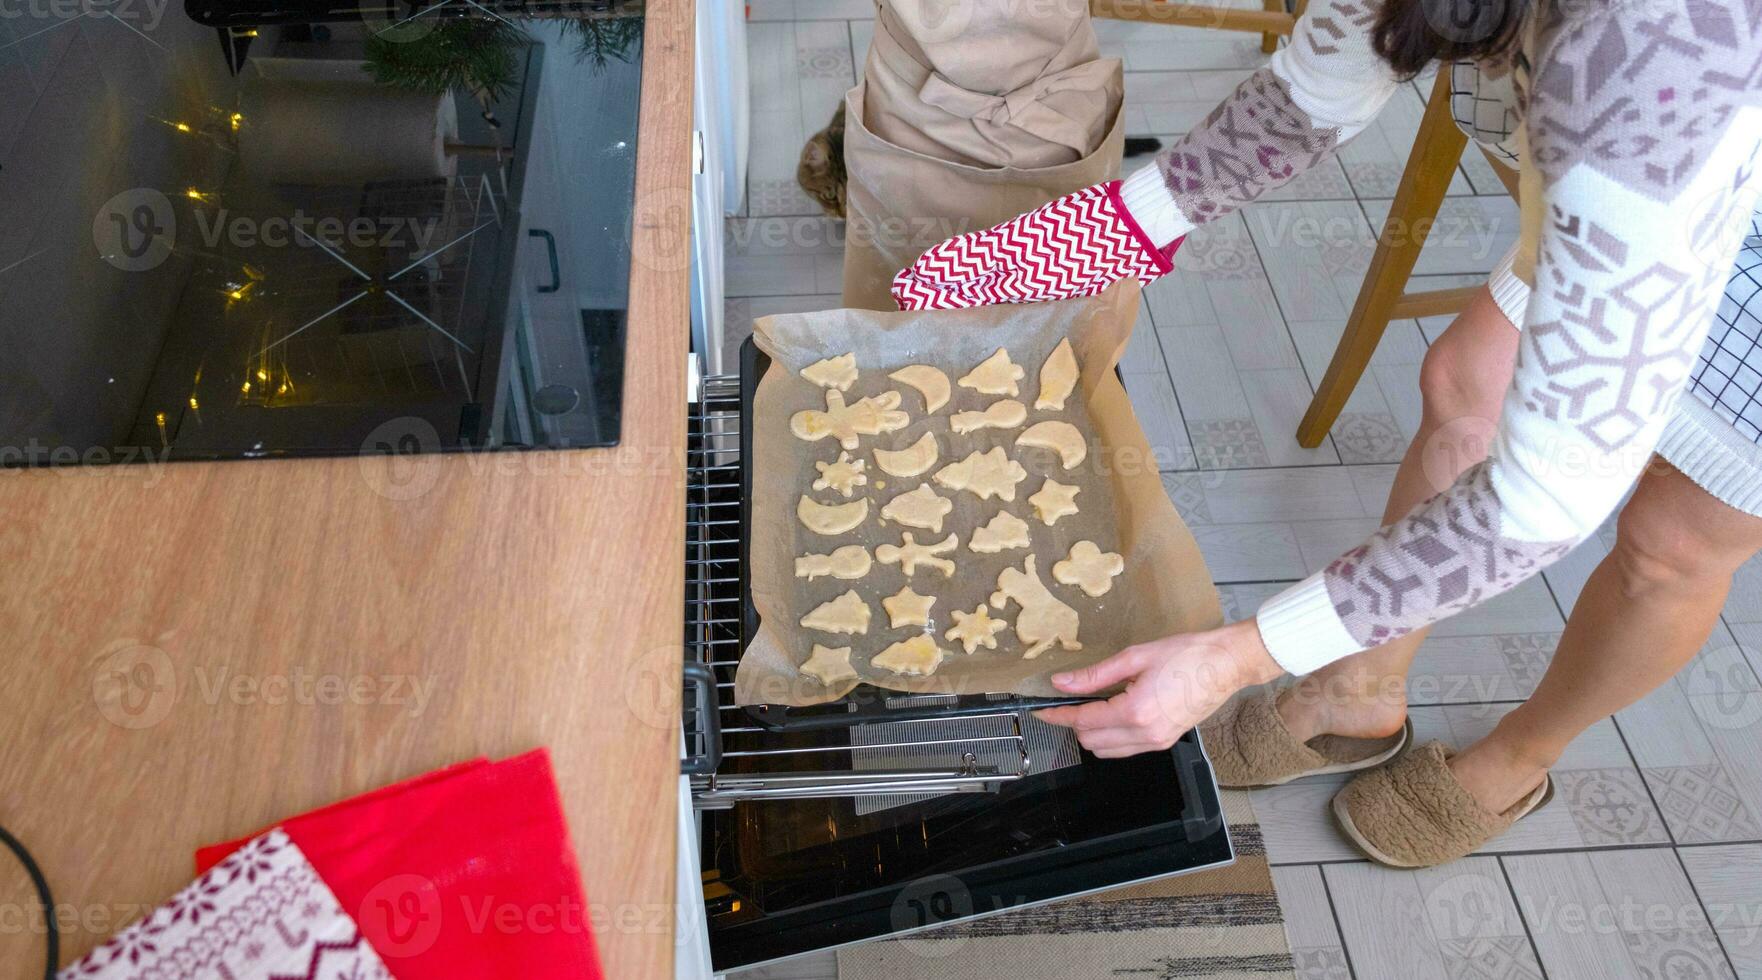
[
  {"x": 1172, "y": 684},
  {"x": 1078, "y": 245}
]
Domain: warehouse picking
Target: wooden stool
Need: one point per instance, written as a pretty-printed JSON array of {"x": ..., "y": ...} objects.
[
  {"x": 1271, "y": 23},
  {"x": 1437, "y": 149}
]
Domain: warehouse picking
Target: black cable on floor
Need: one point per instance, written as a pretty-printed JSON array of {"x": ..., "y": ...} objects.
[{"x": 42, "y": 883}]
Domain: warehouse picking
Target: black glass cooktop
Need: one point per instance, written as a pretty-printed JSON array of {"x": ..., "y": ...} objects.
[{"x": 266, "y": 229}]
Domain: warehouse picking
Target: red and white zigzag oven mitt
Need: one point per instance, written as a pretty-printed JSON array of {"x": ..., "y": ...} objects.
[{"x": 1078, "y": 245}]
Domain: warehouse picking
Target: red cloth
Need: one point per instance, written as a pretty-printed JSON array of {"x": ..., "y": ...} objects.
[{"x": 462, "y": 873}]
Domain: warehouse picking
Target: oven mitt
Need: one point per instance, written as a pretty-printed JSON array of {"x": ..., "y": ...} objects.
[
  {"x": 1078, "y": 245},
  {"x": 261, "y": 914},
  {"x": 466, "y": 872}
]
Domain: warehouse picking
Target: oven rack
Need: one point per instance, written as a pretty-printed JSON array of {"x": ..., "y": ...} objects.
[{"x": 736, "y": 759}]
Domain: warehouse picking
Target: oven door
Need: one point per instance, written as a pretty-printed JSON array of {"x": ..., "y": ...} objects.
[
  {"x": 793, "y": 876},
  {"x": 816, "y": 838}
]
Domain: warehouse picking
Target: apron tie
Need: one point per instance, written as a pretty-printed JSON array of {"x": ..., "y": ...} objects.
[{"x": 1025, "y": 108}]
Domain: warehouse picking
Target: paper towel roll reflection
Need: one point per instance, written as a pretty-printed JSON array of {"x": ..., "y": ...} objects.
[{"x": 345, "y": 132}]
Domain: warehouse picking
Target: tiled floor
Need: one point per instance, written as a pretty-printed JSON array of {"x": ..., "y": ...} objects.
[{"x": 1649, "y": 863}]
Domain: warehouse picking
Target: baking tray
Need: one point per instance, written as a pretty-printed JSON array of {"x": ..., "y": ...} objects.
[{"x": 866, "y": 704}]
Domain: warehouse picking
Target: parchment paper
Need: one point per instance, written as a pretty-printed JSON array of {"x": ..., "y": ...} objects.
[{"x": 1165, "y": 588}]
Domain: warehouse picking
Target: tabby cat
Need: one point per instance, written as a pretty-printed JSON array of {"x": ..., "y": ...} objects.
[{"x": 822, "y": 172}]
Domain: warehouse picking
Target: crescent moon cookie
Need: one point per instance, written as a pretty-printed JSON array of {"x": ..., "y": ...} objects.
[
  {"x": 830, "y": 519},
  {"x": 1044, "y": 620},
  {"x": 921, "y": 508},
  {"x": 1058, "y": 377},
  {"x": 975, "y": 629},
  {"x": 829, "y": 665},
  {"x": 1060, "y": 437},
  {"x": 996, "y": 375},
  {"x": 1054, "y": 500},
  {"x": 907, "y": 608},
  {"x": 846, "y": 614},
  {"x": 1005, "y": 414},
  {"x": 916, "y": 657},
  {"x": 1005, "y": 531},
  {"x": 988, "y": 474},
  {"x": 849, "y": 562},
  {"x": 1089, "y": 568},
  {"x": 930, "y": 382},
  {"x": 834, "y": 372},
  {"x": 846, "y": 422},
  {"x": 844, "y": 475},
  {"x": 912, "y": 460},
  {"x": 911, "y": 554}
]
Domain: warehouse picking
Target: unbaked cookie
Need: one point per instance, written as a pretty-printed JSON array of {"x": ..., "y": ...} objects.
[
  {"x": 1005, "y": 531},
  {"x": 917, "y": 657},
  {"x": 912, "y": 460},
  {"x": 1089, "y": 568},
  {"x": 1058, "y": 376},
  {"x": 1044, "y": 620},
  {"x": 1054, "y": 500},
  {"x": 930, "y": 382},
  {"x": 830, "y": 519},
  {"x": 849, "y": 562},
  {"x": 846, "y": 614},
  {"x": 988, "y": 474},
  {"x": 834, "y": 372},
  {"x": 1006, "y": 413},
  {"x": 1060, "y": 437},
  {"x": 844, "y": 475},
  {"x": 846, "y": 422},
  {"x": 921, "y": 508},
  {"x": 975, "y": 629},
  {"x": 909, "y": 555},
  {"x": 907, "y": 608},
  {"x": 829, "y": 665},
  {"x": 996, "y": 375}
]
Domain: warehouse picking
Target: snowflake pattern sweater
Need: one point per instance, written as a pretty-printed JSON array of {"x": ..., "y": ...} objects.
[{"x": 1640, "y": 125}]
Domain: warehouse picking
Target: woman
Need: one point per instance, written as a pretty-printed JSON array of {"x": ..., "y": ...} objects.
[{"x": 1560, "y": 388}]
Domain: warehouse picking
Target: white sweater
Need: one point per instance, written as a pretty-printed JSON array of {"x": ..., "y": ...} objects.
[{"x": 1642, "y": 124}]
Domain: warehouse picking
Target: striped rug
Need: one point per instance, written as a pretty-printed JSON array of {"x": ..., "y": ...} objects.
[{"x": 1214, "y": 924}]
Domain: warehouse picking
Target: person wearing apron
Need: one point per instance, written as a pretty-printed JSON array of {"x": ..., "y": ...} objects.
[{"x": 1613, "y": 361}]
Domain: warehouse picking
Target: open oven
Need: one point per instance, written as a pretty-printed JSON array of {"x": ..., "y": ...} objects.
[{"x": 891, "y": 813}]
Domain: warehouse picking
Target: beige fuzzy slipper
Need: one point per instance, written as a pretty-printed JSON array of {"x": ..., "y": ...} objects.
[
  {"x": 1414, "y": 814},
  {"x": 1250, "y": 747}
]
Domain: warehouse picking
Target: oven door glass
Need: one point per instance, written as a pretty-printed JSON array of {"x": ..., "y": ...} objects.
[{"x": 785, "y": 877}]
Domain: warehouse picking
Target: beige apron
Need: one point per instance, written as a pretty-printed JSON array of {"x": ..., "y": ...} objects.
[{"x": 966, "y": 120}]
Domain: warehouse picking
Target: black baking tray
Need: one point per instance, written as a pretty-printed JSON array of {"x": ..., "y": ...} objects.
[{"x": 867, "y": 703}]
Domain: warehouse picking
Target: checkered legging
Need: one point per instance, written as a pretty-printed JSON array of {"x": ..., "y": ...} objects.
[{"x": 1728, "y": 376}]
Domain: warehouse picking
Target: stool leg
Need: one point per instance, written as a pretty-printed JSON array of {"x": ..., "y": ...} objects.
[
  {"x": 1436, "y": 151},
  {"x": 1270, "y": 42}
]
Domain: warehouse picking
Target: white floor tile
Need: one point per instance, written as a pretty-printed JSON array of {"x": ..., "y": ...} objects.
[
  {"x": 1728, "y": 879},
  {"x": 1315, "y": 253},
  {"x": 1316, "y": 949},
  {"x": 1696, "y": 740},
  {"x": 1614, "y": 913},
  {"x": 1450, "y": 922},
  {"x": 1375, "y": 159}
]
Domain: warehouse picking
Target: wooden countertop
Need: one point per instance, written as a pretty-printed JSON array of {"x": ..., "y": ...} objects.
[{"x": 536, "y": 598}]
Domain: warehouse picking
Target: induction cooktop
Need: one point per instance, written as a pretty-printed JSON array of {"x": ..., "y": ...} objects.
[{"x": 404, "y": 229}]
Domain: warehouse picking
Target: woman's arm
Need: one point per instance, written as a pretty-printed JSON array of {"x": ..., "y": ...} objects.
[
  {"x": 1642, "y": 133},
  {"x": 1643, "y": 128},
  {"x": 1314, "y": 94}
]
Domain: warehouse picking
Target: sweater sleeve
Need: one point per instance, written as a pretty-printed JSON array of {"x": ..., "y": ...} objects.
[
  {"x": 1314, "y": 94},
  {"x": 1642, "y": 132}
]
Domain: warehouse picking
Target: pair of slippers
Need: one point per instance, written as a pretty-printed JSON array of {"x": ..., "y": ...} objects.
[{"x": 1406, "y": 809}]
